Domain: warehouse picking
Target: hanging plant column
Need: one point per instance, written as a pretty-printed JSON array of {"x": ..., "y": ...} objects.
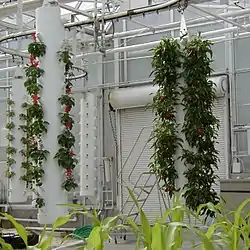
[
  {"x": 10, "y": 150},
  {"x": 166, "y": 66},
  {"x": 35, "y": 127},
  {"x": 66, "y": 140},
  {"x": 200, "y": 125}
]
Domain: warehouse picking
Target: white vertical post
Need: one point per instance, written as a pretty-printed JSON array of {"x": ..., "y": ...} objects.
[
  {"x": 180, "y": 114},
  {"x": 17, "y": 187},
  {"x": 88, "y": 161},
  {"x": 49, "y": 25}
]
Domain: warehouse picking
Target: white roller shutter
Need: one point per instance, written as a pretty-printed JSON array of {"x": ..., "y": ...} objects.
[{"x": 135, "y": 128}]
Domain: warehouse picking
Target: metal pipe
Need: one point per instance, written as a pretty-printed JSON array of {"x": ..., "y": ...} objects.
[
  {"x": 11, "y": 9},
  {"x": 33, "y": 220},
  {"x": 154, "y": 43},
  {"x": 134, "y": 12},
  {"x": 129, "y": 13},
  {"x": 175, "y": 24},
  {"x": 145, "y": 46},
  {"x": 219, "y": 17},
  {"x": 109, "y": 17},
  {"x": 50, "y": 229},
  {"x": 138, "y": 34}
]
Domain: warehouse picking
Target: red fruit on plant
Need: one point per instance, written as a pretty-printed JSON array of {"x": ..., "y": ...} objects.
[
  {"x": 68, "y": 125},
  {"x": 67, "y": 109},
  {"x": 69, "y": 173},
  {"x": 200, "y": 131},
  {"x": 71, "y": 153},
  {"x": 35, "y": 63},
  {"x": 35, "y": 99},
  {"x": 162, "y": 98},
  {"x": 169, "y": 116},
  {"x": 68, "y": 90},
  {"x": 34, "y": 36},
  {"x": 32, "y": 59}
]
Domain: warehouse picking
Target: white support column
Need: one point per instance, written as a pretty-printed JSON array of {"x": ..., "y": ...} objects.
[
  {"x": 49, "y": 25},
  {"x": 88, "y": 152},
  {"x": 17, "y": 187}
]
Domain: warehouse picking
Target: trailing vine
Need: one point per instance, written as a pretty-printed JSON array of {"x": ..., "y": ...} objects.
[
  {"x": 200, "y": 125},
  {"x": 34, "y": 126},
  {"x": 166, "y": 65},
  {"x": 66, "y": 140},
  {"x": 10, "y": 150}
]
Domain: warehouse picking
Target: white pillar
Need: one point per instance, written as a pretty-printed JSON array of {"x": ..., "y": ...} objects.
[
  {"x": 50, "y": 27},
  {"x": 17, "y": 187},
  {"x": 88, "y": 152}
]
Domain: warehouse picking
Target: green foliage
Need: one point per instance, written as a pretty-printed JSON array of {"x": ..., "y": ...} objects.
[
  {"x": 34, "y": 126},
  {"x": 230, "y": 230},
  {"x": 166, "y": 64},
  {"x": 10, "y": 150},
  {"x": 66, "y": 140},
  {"x": 200, "y": 125},
  {"x": 37, "y": 49}
]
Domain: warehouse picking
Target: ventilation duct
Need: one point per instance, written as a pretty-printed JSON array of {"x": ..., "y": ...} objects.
[{"x": 141, "y": 96}]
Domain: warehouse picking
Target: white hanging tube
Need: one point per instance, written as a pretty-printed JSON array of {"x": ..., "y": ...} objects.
[
  {"x": 88, "y": 135},
  {"x": 17, "y": 187},
  {"x": 107, "y": 168},
  {"x": 50, "y": 27},
  {"x": 143, "y": 95}
]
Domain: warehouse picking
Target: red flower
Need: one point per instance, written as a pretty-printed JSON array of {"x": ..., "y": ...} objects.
[
  {"x": 71, "y": 153},
  {"x": 68, "y": 125},
  {"x": 162, "y": 98},
  {"x": 34, "y": 36},
  {"x": 200, "y": 131},
  {"x": 35, "y": 99},
  {"x": 68, "y": 90},
  {"x": 32, "y": 59},
  {"x": 69, "y": 173},
  {"x": 169, "y": 116},
  {"x": 67, "y": 109},
  {"x": 35, "y": 63}
]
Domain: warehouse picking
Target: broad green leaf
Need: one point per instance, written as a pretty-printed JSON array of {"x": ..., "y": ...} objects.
[
  {"x": 94, "y": 240},
  {"x": 19, "y": 228},
  {"x": 46, "y": 244},
  {"x": 132, "y": 224},
  {"x": 110, "y": 222},
  {"x": 133, "y": 198},
  {"x": 5, "y": 246},
  {"x": 146, "y": 230},
  {"x": 156, "y": 237},
  {"x": 138, "y": 243},
  {"x": 61, "y": 221},
  {"x": 42, "y": 234}
]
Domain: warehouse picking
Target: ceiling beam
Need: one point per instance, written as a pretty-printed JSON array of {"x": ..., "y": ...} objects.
[{"x": 28, "y": 5}]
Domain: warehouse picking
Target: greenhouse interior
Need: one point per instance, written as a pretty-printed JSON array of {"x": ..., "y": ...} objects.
[{"x": 125, "y": 124}]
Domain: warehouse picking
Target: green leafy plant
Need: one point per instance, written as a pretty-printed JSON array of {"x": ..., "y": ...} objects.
[
  {"x": 44, "y": 243},
  {"x": 200, "y": 125},
  {"x": 102, "y": 229},
  {"x": 66, "y": 140},
  {"x": 166, "y": 65},
  {"x": 10, "y": 150},
  {"x": 34, "y": 126}
]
